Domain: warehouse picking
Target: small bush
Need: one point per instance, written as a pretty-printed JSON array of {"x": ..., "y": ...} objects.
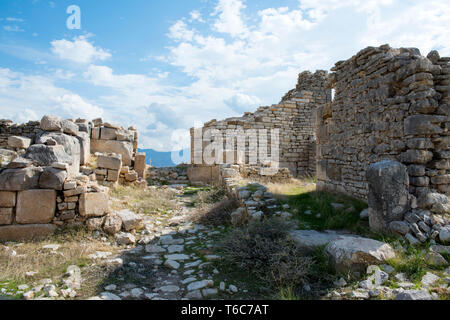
[
  {"x": 265, "y": 250},
  {"x": 218, "y": 214}
]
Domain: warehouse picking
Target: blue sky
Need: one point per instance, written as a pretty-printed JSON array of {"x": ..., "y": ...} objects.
[{"x": 166, "y": 66}]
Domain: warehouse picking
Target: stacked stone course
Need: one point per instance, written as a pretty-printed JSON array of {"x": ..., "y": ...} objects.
[
  {"x": 41, "y": 186},
  {"x": 294, "y": 116},
  {"x": 389, "y": 104}
]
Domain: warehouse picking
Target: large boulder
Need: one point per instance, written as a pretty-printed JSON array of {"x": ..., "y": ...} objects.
[
  {"x": 35, "y": 206},
  {"x": 52, "y": 178},
  {"x": 20, "y": 179},
  {"x": 349, "y": 253},
  {"x": 26, "y": 232},
  {"x": 388, "y": 195},
  {"x": 125, "y": 148}
]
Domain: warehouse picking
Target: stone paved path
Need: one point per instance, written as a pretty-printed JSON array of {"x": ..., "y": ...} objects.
[{"x": 173, "y": 261}]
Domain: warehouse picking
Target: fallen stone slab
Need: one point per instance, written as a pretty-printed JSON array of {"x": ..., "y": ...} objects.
[
  {"x": 310, "y": 239},
  {"x": 350, "y": 253}
]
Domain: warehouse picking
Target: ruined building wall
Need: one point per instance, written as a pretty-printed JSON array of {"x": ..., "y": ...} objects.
[
  {"x": 294, "y": 116},
  {"x": 388, "y": 104}
]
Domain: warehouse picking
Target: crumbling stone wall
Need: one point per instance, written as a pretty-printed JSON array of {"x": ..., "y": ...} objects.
[
  {"x": 46, "y": 179},
  {"x": 389, "y": 104},
  {"x": 294, "y": 116}
]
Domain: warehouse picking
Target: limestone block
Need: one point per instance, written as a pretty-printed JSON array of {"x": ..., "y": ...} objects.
[
  {"x": 7, "y": 199},
  {"x": 19, "y": 142},
  {"x": 6, "y": 216},
  {"x": 20, "y": 179},
  {"x": 124, "y": 148},
  {"x": 388, "y": 196},
  {"x": 51, "y": 123},
  {"x": 109, "y": 162},
  {"x": 357, "y": 253},
  {"x": 131, "y": 176},
  {"x": 52, "y": 178},
  {"x": 35, "y": 206},
  {"x": 93, "y": 204},
  {"x": 113, "y": 175},
  {"x": 108, "y": 133},
  {"x": 424, "y": 124},
  {"x": 139, "y": 164},
  {"x": 26, "y": 232},
  {"x": 130, "y": 220},
  {"x": 85, "y": 147}
]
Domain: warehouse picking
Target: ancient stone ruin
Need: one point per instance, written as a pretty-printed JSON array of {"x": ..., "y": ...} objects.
[
  {"x": 47, "y": 178},
  {"x": 294, "y": 116},
  {"x": 383, "y": 138}
]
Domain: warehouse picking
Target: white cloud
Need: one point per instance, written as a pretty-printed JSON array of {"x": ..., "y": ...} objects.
[
  {"x": 230, "y": 19},
  {"x": 12, "y": 19},
  {"x": 13, "y": 28},
  {"x": 29, "y": 97},
  {"x": 80, "y": 50},
  {"x": 235, "y": 62}
]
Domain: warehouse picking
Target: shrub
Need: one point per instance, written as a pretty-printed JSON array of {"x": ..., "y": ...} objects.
[{"x": 264, "y": 249}]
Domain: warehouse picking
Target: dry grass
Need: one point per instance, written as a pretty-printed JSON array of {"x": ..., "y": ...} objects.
[
  {"x": 217, "y": 214},
  {"x": 264, "y": 250},
  {"x": 92, "y": 162},
  {"x": 75, "y": 247},
  {"x": 146, "y": 201},
  {"x": 282, "y": 190}
]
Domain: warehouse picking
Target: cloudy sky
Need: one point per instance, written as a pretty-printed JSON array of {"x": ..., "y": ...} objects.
[{"x": 165, "y": 66}]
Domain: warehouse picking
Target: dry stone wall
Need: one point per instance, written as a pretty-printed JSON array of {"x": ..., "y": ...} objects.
[
  {"x": 389, "y": 104},
  {"x": 47, "y": 180},
  {"x": 294, "y": 116}
]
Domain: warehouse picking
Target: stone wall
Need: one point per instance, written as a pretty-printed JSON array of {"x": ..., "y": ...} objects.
[
  {"x": 389, "y": 104},
  {"x": 294, "y": 116},
  {"x": 47, "y": 178}
]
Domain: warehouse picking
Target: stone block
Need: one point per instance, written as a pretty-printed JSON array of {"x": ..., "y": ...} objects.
[
  {"x": 139, "y": 164},
  {"x": 26, "y": 232},
  {"x": 52, "y": 178},
  {"x": 388, "y": 196},
  {"x": 423, "y": 124},
  {"x": 7, "y": 199},
  {"x": 124, "y": 148},
  {"x": 131, "y": 176},
  {"x": 20, "y": 179},
  {"x": 109, "y": 162},
  {"x": 6, "y": 216},
  {"x": 85, "y": 147},
  {"x": 19, "y": 142},
  {"x": 113, "y": 175},
  {"x": 108, "y": 133},
  {"x": 93, "y": 204},
  {"x": 35, "y": 206}
]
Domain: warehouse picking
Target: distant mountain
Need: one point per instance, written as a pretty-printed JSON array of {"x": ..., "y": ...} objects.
[{"x": 164, "y": 159}]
